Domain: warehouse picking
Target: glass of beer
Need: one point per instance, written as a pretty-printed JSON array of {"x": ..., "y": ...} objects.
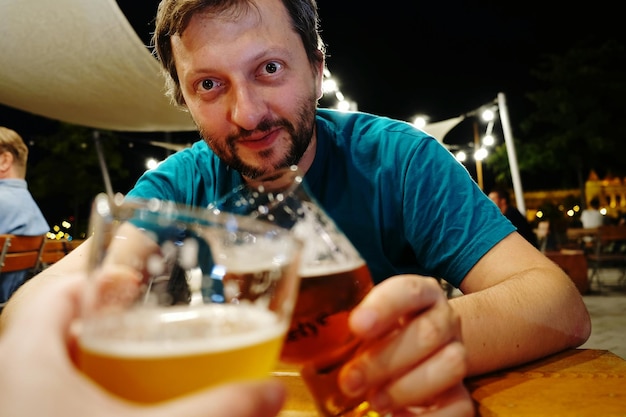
[
  {"x": 334, "y": 279},
  {"x": 180, "y": 298}
]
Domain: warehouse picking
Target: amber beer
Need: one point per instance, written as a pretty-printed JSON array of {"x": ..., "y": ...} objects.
[
  {"x": 208, "y": 345},
  {"x": 319, "y": 338}
]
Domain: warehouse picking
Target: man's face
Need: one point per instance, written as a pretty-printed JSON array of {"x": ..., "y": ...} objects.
[{"x": 249, "y": 86}]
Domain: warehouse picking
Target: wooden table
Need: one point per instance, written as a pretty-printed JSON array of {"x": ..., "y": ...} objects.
[
  {"x": 573, "y": 383},
  {"x": 575, "y": 234}
]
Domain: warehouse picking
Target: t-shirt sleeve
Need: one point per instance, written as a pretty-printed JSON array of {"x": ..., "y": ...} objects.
[{"x": 449, "y": 221}]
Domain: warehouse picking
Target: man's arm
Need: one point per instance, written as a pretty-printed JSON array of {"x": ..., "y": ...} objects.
[{"x": 519, "y": 306}]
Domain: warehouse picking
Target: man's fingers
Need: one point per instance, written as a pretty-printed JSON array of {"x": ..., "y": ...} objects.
[
  {"x": 399, "y": 296},
  {"x": 420, "y": 384}
]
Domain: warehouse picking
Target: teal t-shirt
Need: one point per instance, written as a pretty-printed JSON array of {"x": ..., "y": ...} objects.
[{"x": 404, "y": 201}]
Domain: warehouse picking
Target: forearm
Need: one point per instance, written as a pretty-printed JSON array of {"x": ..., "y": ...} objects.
[{"x": 534, "y": 314}]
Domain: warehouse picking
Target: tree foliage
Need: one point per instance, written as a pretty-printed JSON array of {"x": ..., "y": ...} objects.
[
  {"x": 67, "y": 175},
  {"x": 577, "y": 125}
]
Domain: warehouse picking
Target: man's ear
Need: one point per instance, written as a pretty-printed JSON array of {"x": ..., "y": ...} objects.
[
  {"x": 319, "y": 75},
  {"x": 6, "y": 161}
]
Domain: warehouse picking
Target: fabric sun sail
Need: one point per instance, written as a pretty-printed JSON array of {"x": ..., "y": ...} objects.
[{"x": 81, "y": 62}]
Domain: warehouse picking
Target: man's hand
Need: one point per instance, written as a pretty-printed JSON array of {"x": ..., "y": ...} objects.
[{"x": 413, "y": 361}]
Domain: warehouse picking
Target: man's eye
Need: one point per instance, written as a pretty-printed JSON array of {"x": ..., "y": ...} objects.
[
  {"x": 272, "y": 67},
  {"x": 207, "y": 84}
]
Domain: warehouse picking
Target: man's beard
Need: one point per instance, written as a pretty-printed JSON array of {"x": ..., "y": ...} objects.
[{"x": 301, "y": 135}]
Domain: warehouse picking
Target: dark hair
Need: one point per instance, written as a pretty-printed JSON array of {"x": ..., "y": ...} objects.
[
  {"x": 503, "y": 195},
  {"x": 173, "y": 17}
]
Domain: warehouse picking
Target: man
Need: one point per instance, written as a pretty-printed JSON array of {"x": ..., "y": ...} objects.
[
  {"x": 503, "y": 201},
  {"x": 250, "y": 73},
  {"x": 19, "y": 213},
  {"x": 591, "y": 217}
]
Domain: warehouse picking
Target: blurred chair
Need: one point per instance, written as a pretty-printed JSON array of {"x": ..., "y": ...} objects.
[
  {"x": 609, "y": 252},
  {"x": 54, "y": 250},
  {"x": 20, "y": 253},
  {"x": 73, "y": 244},
  {"x": 581, "y": 238},
  {"x": 5, "y": 242}
]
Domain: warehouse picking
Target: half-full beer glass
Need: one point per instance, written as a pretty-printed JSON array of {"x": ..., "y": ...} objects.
[
  {"x": 180, "y": 299},
  {"x": 334, "y": 279}
]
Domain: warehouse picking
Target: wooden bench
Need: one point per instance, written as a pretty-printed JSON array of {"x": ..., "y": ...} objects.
[
  {"x": 581, "y": 238},
  {"x": 20, "y": 252},
  {"x": 54, "y": 250}
]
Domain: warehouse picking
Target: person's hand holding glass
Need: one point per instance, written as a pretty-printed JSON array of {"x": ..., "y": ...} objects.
[
  {"x": 181, "y": 299},
  {"x": 334, "y": 280},
  {"x": 38, "y": 377}
]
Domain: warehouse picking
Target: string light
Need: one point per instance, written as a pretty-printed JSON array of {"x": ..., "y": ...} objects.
[
  {"x": 488, "y": 115},
  {"x": 333, "y": 94},
  {"x": 420, "y": 121}
]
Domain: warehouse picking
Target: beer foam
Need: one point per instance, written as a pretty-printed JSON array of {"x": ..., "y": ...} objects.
[
  {"x": 329, "y": 268},
  {"x": 133, "y": 334},
  {"x": 251, "y": 264},
  {"x": 266, "y": 257}
]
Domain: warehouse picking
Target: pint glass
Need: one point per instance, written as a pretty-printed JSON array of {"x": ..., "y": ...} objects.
[
  {"x": 334, "y": 279},
  {"x": 180, "y": 299}
]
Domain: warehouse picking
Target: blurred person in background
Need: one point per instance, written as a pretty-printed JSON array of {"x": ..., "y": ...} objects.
[
  {"x": 502, "y": 199},
  {"x": 591, "y": 217},
  {"x": 19, "y": 213}
]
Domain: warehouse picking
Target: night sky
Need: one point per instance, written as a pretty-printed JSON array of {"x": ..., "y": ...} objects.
[
  {"x": 440, "y": 58},
  {"x": 443, "y": 58}
]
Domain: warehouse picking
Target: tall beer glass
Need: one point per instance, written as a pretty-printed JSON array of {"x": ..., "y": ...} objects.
[
  {"x": 334, "y": 279},
  {"x": 180, "y": 299}
]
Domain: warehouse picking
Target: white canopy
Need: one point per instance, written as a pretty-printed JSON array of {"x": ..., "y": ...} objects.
[
  {"x": 438, "y": 130},
  {"x": 80, "y": 61}
]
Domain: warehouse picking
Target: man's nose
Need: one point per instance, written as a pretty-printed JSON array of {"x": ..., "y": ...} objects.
[{"x": 248, "y": 107}]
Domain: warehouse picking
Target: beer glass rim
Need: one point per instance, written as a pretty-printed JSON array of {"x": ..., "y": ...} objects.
[
  {"x": 292, "y": 178},
  {"x": 121, "y": 207},
  {"x": 292, "y": 172}
]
